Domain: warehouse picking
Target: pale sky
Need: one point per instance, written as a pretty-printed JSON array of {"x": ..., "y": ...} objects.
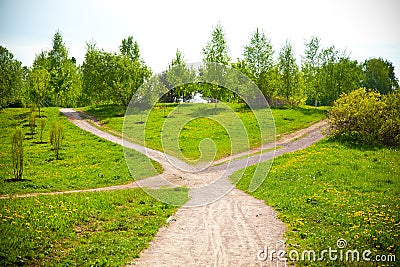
[{"x": 365, "y": 28}]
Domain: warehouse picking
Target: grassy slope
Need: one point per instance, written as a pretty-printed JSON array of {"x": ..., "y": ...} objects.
[
  {"x": 86, "y": 229},
  {"x": 86, "y": 161},
  {"x": 331, "y": 191},
  {"x": 286, "y": 120}
]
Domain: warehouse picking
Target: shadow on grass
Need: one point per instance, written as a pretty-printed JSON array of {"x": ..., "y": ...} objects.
[
  {"x": 106, "y": 111},
  {"x": 14, "y": 180},
  {"x": 354, "y": 142}
]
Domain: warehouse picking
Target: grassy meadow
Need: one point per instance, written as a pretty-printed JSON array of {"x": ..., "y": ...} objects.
[
  {"x": 87, "y": 161},
  {"x": 179, "y": 129},
  {"x": 86, "y": 229},
  {"x": 334, "y": 190}
]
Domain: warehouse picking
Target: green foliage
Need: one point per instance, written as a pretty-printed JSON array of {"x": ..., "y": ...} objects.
[
  {"x": 337, "y": 74},
  {"x": 243, "y": 67},
  {"x": 335, "y": 190},
  {"x": 11, "y": 78},
  {"x": 88, "y": 161},
  {"x": 180, "y": 77},
  {"x": 38, "y": 80},
  {"x": 366, "y": 116},
  {"x": 379, "y": 75},
  {"x": 216, "y": 49},
  {"x": 56, "y": 137},
  {"x": 130, "y": 49},
  {"x": 389, "y": 132},
  {"x": 110, "y": 77},
  {"x": 17, "y": 153},
  {"x": 42, "y": 125},
  {"x": 310, "y": 68},
  {"x": 270, "y": 83},
  {"x": 85, "y": 229},
  {"x": 258, "y": 54},
  {"x": 32, "y": 123},
  {"x": 289, "y": 75},
  {"x": 55, "y": 79}
]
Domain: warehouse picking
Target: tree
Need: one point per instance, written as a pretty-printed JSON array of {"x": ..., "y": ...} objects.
[
  {"x": 56, "y": 137},
  {"x": 337, "y": 74},
  {"x": 38, "y": 80},
  {"x": 11, "y": 77},
  {"x": 379, "y": 75},
  {"x": 130, "y": 49},
  {"x": 17, "y": 153},
  {"x": 180, "y": 76},
  {"x": 289, "y": 74},
  {"x": 258, "y": 54},
  {"x": 310, "y": 68},
  {"x": 64, "y": 83},
  {"x": 216, "y": 49},
  {"x": 147, "y": 95},
  {"x": 32, "y": 122},
  {"x": 111, "y": 77},
  {"x": 270, "y": 83},
  {"x": 241, "y": 66},
  {"x": 348, "y": 75},
  {"x": 59, "y": 52},
  {"x": 42, "y": 125},
  {"x": 392, "y": 75}
]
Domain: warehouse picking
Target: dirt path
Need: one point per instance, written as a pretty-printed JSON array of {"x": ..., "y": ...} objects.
[
  {"x": 220, "y": 225},
  {"x": 234, "y": 227},
  {"x": 230, "y": 231}
]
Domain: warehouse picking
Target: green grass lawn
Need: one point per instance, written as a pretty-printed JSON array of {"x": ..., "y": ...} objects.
[
  {"x": 86, "y": 161},
  {"x": 186, "y": 126},
  {"x": 85, "y": 229},
  {"x": 335, "y": 190}
]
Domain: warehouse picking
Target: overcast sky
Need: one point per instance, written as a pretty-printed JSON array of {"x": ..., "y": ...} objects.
[{"x": 364, "y": 28}]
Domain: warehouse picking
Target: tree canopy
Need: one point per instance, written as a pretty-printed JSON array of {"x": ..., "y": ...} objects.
[
  {"x": 325, "y": 73},
  {"x": 11, "y": 78}
]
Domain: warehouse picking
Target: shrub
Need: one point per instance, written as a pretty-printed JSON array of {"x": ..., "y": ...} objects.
[
  {"x": 366, "y": 116},
  {"x": 32, "y": 123},
  {"x": 32, "y": 108},
  {"x": 17, "y": 153},
  {"x": 42, "y": 125},
  {"x": 56, "y": 137},
  {"x": 389, "y": 133}
]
